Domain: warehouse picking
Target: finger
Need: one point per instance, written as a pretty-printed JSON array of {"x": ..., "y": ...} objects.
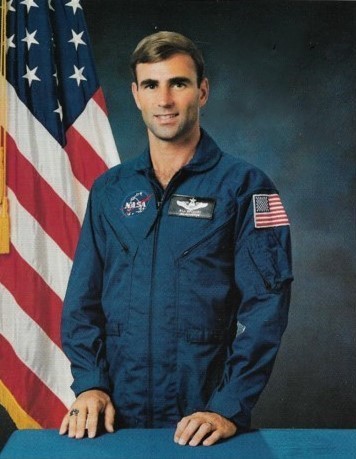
[
  {"x": 189, "y": 431},
  {"x": 81, "y": 423},
  {"x": 92, "y": 422},
  {"x": 182, "y": 424},
  {"x": 201, "y": 433},
  {"x": 72, "y": 426},
  {"x": 109, "y": 417},
  {"x": 64, "y": 426},
  {"x": 213, "y": 438}
]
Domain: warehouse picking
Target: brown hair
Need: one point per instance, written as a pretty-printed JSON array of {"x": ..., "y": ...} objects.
[{"x": 162, "y": 45}]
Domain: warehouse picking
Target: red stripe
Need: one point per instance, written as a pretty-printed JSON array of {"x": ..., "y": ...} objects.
[
  {"x": 40, "y": 200},
  {"x": 273, "y": 222},
  {"x": 30, "y": 392},
  {"x": 273, "y": 212},
  {"x": 272, "y": 217},
  {"x": 99, "y": 98},
  {"x": 33, "y": 295},
  {"x": 86, "y": 164}
]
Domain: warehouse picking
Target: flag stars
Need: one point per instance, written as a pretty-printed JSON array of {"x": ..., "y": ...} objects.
[
  {"x": 30, "y": 75},
  {"x": 50, "y": 6},
  {"x": 77, "y": 39},
  {"x": 56, "y": 77},
  {"x": 30, "y": 39},
  {"x": 9, "y": 6},
  {"x": 10, "y": 42},
  {"x": 75, "y": 4},
  {"x": 78, "y": 75},
  {"x": 59, "y": 110},
  {"x": 29, "y": 4}
]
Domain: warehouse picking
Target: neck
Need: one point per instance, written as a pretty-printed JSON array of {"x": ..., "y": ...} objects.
[{"x": 169, "y": 157}]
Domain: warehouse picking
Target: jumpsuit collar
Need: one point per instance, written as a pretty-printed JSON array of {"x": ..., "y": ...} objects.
[{"x": 206, "y": 156}]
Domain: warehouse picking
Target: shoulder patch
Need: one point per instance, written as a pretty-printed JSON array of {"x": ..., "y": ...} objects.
[{"x": 268, "y": 211}]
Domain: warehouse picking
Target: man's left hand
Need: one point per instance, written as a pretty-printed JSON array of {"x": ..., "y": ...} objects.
[{"x": 203, "y": 427}]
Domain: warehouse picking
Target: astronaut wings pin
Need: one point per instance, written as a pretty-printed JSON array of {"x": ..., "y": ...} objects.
[{"x": 190, "y": 206}]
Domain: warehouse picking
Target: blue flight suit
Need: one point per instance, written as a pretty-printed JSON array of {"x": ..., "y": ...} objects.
[{"x": 178, "y": 298}]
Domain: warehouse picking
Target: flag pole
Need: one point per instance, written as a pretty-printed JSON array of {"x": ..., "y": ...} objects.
[{"x": 4, "y": 210}]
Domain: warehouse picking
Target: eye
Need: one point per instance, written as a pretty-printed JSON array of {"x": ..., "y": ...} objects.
[
  {"x": 179, "y": 84},
  {"x": 150, "y": 86}
]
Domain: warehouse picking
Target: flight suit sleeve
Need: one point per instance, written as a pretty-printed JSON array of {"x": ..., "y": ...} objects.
[
  {"x": 263, "y": 276},
  {"x": 83, "y": 320}
]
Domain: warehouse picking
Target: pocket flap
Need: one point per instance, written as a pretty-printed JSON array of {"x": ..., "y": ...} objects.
[
  {"x": 113, "y": 329},
  {"x": 205, "y": 336}
]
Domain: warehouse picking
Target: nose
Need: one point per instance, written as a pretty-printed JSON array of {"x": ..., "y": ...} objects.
[{"x": 165, "y": 97}]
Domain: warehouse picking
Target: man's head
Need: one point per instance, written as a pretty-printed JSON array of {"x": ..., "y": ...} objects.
[
  {"x": 162, "y": 45},
  {"x": 170, "y": 87}
]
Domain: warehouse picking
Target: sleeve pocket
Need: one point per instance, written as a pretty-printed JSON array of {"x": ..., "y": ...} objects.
[{"x": 271, "y": 259}]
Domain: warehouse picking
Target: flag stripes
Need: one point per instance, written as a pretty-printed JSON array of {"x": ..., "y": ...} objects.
[
  {"x": 41, "y": 201},
  {"x": 45, "y": 154},
  {"x": 34, "y": 397},
  {"x": 31, "y": 293},
  {"x": 48, "y": 363},
  {"x": 86, "y": 164},
  {"x": 31, "y": 240},
  {"x": 93, "y": 125}
]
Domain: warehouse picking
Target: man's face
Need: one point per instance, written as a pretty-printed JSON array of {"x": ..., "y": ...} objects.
[{"x": 169, "y": 98}]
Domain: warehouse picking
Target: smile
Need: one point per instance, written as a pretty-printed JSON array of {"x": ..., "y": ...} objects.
[{"x": 166, "y": 117}]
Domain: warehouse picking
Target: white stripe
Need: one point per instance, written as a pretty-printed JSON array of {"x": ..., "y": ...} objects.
[
  {"x": 93, "y": 125},
  {"x": 34, "y": 348},
  {"x": 45, "y": 154},
  {"x": 38, "y": 248}
]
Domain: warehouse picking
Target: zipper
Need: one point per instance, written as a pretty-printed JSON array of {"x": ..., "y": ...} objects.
[{"x": 160, "y": 202}]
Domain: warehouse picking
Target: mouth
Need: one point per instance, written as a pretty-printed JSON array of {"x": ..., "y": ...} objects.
[{"x": 166, "y": 117}]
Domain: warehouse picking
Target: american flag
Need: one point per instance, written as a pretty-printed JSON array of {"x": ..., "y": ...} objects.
[
  {"x": 269, "y": 211},
  {"x": 58, "y": 141}
]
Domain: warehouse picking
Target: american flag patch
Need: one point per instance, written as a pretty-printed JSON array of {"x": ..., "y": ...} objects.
[{"x": 268, "y": 211}]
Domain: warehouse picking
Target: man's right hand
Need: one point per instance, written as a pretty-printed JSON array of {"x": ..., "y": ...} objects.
[{"x": 85, "y": 413}]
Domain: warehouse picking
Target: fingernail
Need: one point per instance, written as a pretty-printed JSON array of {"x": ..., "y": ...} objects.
[{"x": 181, "y": 441}]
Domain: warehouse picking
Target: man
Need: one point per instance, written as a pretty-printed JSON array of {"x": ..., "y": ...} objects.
[{"x": 180, "y": 288}]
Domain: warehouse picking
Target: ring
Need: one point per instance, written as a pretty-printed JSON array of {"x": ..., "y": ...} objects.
[{"x": 74, "y": 412}]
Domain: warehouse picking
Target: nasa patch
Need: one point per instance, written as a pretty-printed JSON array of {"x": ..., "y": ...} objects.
[{"x": 135, "y": 203}]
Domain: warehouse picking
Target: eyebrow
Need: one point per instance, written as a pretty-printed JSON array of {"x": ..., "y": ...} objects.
[{"x": 174, "y": 80}]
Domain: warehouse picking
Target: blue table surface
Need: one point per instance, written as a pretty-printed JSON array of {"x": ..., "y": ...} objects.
[{"x": 158, "y": 443}]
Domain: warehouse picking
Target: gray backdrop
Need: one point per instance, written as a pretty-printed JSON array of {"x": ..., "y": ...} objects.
[{"x": 283, "y": 82}]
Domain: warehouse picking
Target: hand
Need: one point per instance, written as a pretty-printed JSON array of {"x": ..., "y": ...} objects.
[
  {"x": 85, "y": 412},
  {"x": 206, "y": 428}
]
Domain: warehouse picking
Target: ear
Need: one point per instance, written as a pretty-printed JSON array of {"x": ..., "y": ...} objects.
[
  {"x": 204, "y": 92},
  {"x": 134, "y": 90}
]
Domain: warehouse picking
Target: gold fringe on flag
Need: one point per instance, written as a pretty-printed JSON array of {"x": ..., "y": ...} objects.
[
  {"x": 4, "y": 207},
  {"x": 20, "y": 418}
]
